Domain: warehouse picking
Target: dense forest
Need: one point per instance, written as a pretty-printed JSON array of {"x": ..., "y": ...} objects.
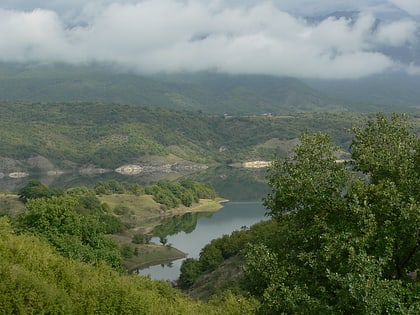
[
  {"x": 111, "y": 135},
  {"x": 78, "y": 134}
]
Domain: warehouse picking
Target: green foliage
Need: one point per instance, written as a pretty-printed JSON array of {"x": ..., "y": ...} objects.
[
  {"x": 346, "y": 241},
  {"x": 205, "y": 91},
  {"x": 111, "y": 135},
  {"x": 190, "y": 271},
  {"x": 172, "y": 194},
  {"x": 35, "y": 280},
  {"x": 141, "y": 238},
  {"x": 116, "y": 187},
  {"x": 163, "y": 195},
  {"x": 127, "y": 251},
  {"x": 73, "y": 234},
  {"x": 213, "y": 254},
  {"x": 210, "y": 258},
  {"x": 35, "y": 189},
  {"x": 112, "y": 224}
]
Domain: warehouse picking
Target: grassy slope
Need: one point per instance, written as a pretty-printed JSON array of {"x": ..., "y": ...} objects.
[{"x": 36, "y": 280}]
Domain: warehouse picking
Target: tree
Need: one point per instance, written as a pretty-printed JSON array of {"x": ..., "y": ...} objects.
[
  {"x": 75, "y": 235},
  {"x": 35, "y": 189},
  {"x": 387, "y": 153},
  {"x": 190, "y": 271},
  {"x": 348, "y": 232}
]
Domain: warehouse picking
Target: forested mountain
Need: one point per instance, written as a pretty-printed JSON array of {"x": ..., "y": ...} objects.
[
  {"x": 395, "y": 90},
  {"x": 73, "y": 135},
  {"x": 108, "y": 136},
  {"x": 209, "y": 92}
]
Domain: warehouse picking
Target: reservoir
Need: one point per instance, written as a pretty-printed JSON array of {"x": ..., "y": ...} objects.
[
  {"x": 244, "y": 188},
  {"x": 233, "y": 216}
]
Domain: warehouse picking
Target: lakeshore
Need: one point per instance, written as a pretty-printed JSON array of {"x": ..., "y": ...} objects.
[{"x": 147, "y": 215}]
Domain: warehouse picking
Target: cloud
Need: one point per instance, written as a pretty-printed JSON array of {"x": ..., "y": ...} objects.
[
  {"x": 412, "y": 7},
  {"x": 167, "y": 36},
  {"x": 397, "y": 33}
]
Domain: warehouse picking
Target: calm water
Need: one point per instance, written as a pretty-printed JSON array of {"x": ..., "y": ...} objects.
[
  {"x": 241, "y": 186},
  {"x": 231, "y": 217}
]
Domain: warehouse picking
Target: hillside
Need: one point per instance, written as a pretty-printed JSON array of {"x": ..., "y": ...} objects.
[
  {"x": 204, "y": 91},
  {"x": 89, "y": 139},
  {"x": 85, "y": 136},
  {"x": 37, "y": 280},
  {"x": 392, "y": 90}
]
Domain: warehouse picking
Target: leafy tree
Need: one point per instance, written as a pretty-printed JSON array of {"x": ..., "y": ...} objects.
[
  {"x": 35, "y": 189},
  {"x": 347, "y": 240},
  {"x": 210, "y": 258},
  {"x": 139, "y": 238},
  {"x": 73, "y": 234},
  {"x": 386, "y": 151},
  {"x": 190, "y": 271}
]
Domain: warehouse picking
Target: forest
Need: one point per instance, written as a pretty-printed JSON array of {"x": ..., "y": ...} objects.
[
  {"x": 71, "y": 135},
  {"x": 343, "y": 237}
]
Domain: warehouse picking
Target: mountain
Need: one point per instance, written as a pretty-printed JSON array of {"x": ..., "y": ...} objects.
[
  {"x": 207, "y": 92},
  {"x": 204, "y": 91},
  {"x": 397, "y": 91}
]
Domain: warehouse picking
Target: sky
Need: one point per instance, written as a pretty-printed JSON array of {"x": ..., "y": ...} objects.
[{"x": 278, "y": 37}]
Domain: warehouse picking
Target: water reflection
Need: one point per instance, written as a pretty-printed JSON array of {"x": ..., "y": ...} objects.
[
  {"x": 180, "y": 223},
  {"x": 75, "y": 179},
  {"x": 235, "y": 184},
  {"x": 191, "y": 232},
  {"x": 233, "y": 216}
]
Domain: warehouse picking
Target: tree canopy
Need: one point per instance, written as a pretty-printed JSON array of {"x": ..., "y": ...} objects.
[{"x": 348, "y": 233}]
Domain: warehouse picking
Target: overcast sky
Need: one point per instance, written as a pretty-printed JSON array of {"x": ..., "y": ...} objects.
[{"x": 263, "y": 37}]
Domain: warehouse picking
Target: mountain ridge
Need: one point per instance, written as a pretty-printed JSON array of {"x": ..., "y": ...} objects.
[{"x": 209, "y": 92}]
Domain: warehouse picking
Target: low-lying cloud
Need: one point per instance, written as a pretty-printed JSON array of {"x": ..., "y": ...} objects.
[{"x": 168, "y": 36}]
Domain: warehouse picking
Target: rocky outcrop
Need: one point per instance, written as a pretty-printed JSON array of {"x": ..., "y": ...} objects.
[
  {"x": 130, "y": 169},
  {"x": 156, "y": 167},
  {"x": 256, "y": 164},
  {"x": 39, "y": 164}
]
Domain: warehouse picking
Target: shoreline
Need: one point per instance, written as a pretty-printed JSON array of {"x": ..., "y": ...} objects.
[{"x": 152, "y": 254}]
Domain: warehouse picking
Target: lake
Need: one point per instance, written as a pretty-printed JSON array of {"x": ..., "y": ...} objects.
[
  {"x": 233, "y": 216},
  {"x": 245, "y": 189}
]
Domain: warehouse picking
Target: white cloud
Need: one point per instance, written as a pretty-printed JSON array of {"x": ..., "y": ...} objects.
[
  {"x": 168, "y": 35},
  {"x": 397, "y": 33},
  {"x": 412, "y": 7}
]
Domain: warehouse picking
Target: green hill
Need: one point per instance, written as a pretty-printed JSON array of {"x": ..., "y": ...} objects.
[
  {"x": 204, "y": 91},
  {"x": 37, "y": 280},
  {"x": 73, "y": 135}
]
